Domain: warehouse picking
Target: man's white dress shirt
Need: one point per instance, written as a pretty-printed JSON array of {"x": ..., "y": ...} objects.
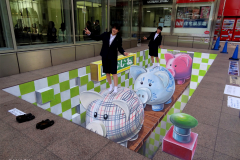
[
  {"x": 111, "y": 39},
  {"x": 156, "y": 36}
]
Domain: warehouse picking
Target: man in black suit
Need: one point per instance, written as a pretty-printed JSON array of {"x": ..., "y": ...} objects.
[
  {"x": 112, "y": 43},
  {"x": 155, "y": 42}
]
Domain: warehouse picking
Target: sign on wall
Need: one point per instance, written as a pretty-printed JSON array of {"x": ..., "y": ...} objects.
[
  {"x": 191, "y": 23},
  {"x": 155, "y": 1},
  {"x": 124, "y": 63},
  {"x": 193, "y": 1}
]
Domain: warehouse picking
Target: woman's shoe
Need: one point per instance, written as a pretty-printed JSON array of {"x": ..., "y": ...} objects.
[
  {"x": 44, "y": 124},
  {"x": 38, "y": 124},
  {"x": 25, "y": 118}
]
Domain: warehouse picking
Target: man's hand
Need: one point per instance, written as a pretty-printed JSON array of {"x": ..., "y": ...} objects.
[
  {"x": 145, "y": 38},
  {"x": 87, "y": 31},
  {"x": 126, "y": 54}
]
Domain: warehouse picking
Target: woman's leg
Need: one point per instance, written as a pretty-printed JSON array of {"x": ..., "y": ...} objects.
[
  {"x": 109, "y": 81},
  {"x": 157, "y": 61},
  {"x": 115, "y": 79},
  {"x": 152, "y": 59}
]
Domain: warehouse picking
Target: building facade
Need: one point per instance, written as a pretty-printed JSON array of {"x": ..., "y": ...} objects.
[{"x": 36, "y": 34}]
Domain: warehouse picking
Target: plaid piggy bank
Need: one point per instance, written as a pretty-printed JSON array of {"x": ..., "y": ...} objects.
[{"x": 117, "y": 116}]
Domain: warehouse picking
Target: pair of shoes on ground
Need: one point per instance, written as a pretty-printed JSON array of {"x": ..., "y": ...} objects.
[{"x": 28, "y": 117}]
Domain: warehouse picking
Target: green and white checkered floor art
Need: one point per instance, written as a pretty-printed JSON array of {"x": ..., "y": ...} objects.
[{"x": 60, "y": 93}]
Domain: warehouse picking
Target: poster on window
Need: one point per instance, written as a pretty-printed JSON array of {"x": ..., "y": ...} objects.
[
  {"x": 191, "y": 23},
  {"x": 192, "y": 17},
  {"x": 205, "y": 12}
]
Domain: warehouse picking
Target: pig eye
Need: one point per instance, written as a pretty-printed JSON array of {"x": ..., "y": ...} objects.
[
  {"x": 95, "y": 114},
  {"x": 141, "y": 83},
  {"x": 150, "y": 84},
  {"x": 175, "y": 65},
  {"x": 170, "y": 64},
  {"x": 105, "y": 116}
]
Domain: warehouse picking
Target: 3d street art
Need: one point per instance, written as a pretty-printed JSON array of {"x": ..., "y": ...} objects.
[
  {"x": 139, "y": 115},
  {"x": 154, "y": 86},
  {"x": 117, "y": 116}
]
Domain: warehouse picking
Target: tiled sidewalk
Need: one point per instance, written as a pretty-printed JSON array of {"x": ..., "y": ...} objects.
[{"x": 218, "y": 129}]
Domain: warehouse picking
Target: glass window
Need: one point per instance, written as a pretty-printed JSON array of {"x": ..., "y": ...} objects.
[
  {"x": 120, "y": 12},
  {"x": 156, "y": 15},
  {"x": 39, "y": 22},
  {"x": 92, "y": 15},
  {"x": 136, "y": 19},
  {"x": 194, "y": 16},
  {"x": 5, "y": 32}
]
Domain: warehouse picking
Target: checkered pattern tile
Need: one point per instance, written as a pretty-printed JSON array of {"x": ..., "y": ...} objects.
[{"x": 68, "y": 86}]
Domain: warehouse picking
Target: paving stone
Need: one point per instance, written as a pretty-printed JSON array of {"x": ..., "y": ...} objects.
[
  {"x": 61, "y": 129},
  {"x": 164, "y": 156},
  {"x": 19, "y": 147},
  {"x": 228, "y": 143},
  {"x": 80, "y": 143},
  {"x": 200, "y": 101},
  {"x": 26, "y": 77},
  {"x": 6, "y": 82},
  {"x": 45, "y": 155},
  {"x": 229, "y": 110},
  {"x": 117, "y": 152},
  {"x": 210, "y": 78},
  {"x": 208, "y": 93},
  {"x": 221, "y": 156},
  {"x": 203, "y": 115},
  {"x": 203, "y": 153},
  {"x": 207, "y": 135},
  {"x": 229, "y": 122},
  {"x": 16, "y": 103},
  {"x": 5, "y": 97}
]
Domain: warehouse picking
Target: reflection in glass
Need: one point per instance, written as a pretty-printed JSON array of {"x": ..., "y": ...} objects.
[
  {"x": 5, "y": 33},
  {"x": 154, "y": 17},
  {"x": 41, "y": 21},
  {"x": 90, "y": 15},
  {"x": 120, "y": 12}
]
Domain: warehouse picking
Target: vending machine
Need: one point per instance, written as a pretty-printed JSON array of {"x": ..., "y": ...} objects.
[
  {"x": 236, "y": 33},
  {"x": 227, "y": 29}
]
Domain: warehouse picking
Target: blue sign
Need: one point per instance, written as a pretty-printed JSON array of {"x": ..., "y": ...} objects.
[{"x": 195, "y": 23}]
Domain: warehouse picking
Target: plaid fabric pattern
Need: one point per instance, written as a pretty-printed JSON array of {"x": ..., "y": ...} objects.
[
  {"x": 68, "y": 86},
  {"x": 118, "y": 129}
]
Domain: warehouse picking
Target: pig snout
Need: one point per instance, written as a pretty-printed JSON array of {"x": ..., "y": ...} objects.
[
  {"x": 97, "y": 127},
  {"x": 144, "y": 94},
  {"x": 172, "y": 71}
]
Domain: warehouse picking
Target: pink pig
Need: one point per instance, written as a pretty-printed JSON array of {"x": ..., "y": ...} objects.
[{"x": 180, "y": 65}]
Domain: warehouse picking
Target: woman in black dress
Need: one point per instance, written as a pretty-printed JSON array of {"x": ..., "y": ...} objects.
[
  {"x": 155, "y": 42},
  {"x": 112, "y": 43}
]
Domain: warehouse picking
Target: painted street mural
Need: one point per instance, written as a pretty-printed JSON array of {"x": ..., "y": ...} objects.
[{"x": 144, "y": 115}]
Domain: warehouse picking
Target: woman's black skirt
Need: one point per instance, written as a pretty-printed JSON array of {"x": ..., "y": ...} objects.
[
  {"x": 109, "y": 65},
  {"x": 153, "y": 51}
]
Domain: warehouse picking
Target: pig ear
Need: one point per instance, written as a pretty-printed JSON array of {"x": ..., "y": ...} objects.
[
  {"x": 164, "y": 77},
  {"x": 135, "y": 71},
  {"x": 168, "y": 56},
  {"x": 87, "y": 97},
  {"x": 185, "y": 59},
  {"x": 122, "y": 104}
]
